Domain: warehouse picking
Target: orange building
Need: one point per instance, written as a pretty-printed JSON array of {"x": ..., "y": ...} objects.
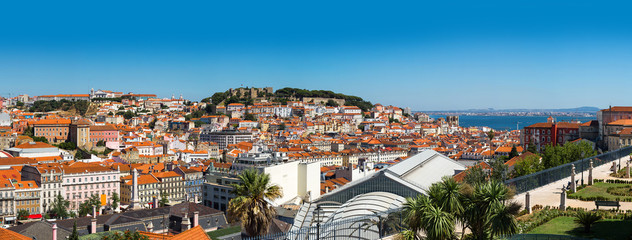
[{"x": 54, "y": 130}]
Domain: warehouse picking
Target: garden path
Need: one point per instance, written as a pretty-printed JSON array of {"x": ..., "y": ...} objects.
[{"x": 549, "y": 195}]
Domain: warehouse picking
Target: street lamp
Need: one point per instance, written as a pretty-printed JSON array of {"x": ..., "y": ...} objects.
[{"x": 317, "y": 221}]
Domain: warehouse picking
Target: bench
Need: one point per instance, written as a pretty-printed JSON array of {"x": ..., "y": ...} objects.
[{"x": 607, "y": 204}]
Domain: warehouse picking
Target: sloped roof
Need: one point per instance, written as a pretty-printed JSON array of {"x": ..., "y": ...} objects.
[{"x": 6, "y": 234}]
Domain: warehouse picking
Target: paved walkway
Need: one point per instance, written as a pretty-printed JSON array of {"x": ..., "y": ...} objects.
[{"x": 549, "y": 195}]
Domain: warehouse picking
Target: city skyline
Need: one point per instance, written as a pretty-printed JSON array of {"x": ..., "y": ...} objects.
[{"x": 422, "y": 56}]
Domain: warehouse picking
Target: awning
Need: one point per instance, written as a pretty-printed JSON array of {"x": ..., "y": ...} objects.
[
  {"x": 34, "y": 216},
  {"x": 9, "y": 218}
]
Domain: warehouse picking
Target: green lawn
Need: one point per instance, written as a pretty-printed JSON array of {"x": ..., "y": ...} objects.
[
  {"x": 604, "y": 229},
  {"x": 599, "y": 190},
  {"x": 223, "y": 232}
]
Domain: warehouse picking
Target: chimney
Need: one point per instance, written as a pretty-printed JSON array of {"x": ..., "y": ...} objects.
[
  {"x": 93, "y": 225},
  {"x": 186, "y": 223},
  {"x": 196, "y": 219},
  {"x": 155, "y": 201},
  {"x": 54, "y": 231}
]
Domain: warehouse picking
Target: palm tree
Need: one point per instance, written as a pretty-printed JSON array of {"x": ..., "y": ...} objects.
[
  {"x": 439, "y": 224},
  {"x": 487, "y": 213},
  {"x": 250, "y": 205},
  {"x": 407, "y": 235},
  {"x": 483, "y": 208},
  {"x": 414, "y": 208},
  {"x": 421, "y": 213},
  {"x": 587, "y": 219}
]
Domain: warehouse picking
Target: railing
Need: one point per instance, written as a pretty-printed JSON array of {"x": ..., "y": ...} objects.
[
  {"x": 532, "y": 181},
  {"x": 542, "y": 237},
  {"x": 374, "y": 226}
]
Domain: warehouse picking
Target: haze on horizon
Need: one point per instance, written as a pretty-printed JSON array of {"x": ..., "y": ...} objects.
[{"x": 427, "y": 56}]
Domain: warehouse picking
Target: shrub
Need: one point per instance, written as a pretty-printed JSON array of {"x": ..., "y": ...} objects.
[{"x": 587, "y": 219}]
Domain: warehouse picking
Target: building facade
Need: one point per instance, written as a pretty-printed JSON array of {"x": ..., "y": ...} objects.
[
  {"x": 27, "y": 197},
  {"x": 50, "y": 178},
  {"x": 82, "y": 180},
  {"x": 54, "y": 130},
  {"x": 224, "y": 138}
]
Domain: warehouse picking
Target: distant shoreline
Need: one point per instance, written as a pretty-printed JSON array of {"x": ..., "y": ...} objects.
[
  {"x": 520, "y": 114},
  {"x": 510, "y": 122}
]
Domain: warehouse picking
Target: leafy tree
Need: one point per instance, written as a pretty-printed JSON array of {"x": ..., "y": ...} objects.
[
  {"x": 513, "y": 153},
  {"x": 59, "y": 208},
  {"x": 282, "y": 126},
  {"x": 28, "y": 132},
  {"x": 251, "y": 203},
  {"x": 101, "y": 143},
  {"x": 499, "y": 170},
  {"x": 128, "y": 235},
  {"x": 209, "y": 108},
  {"x": 152, "y": 124},
  {"x": 250, "y": 117},
  {"x": 40, "y": 139},
  {"x": 587, "y": 219},
  {"x": 23, "y": 214},
  {"x": 531, "y": 147},
  {"x": 128, "y": 114},
  {"x": 163, "y": 199},
  {"x": 79, "y": 154},
  {"x": 68, "y": 146},
  {"x": 115, "y": 200},
  {"x": 19, "y": 104},
  {"x": 85, "y": 208},
  {"x": 218, "y": 97},
  {"x": 527, "y": 165},
  {"x": 491, "y": 135},
  {"x": 475, "y": 175},
  {"x": 74, "y": 235},
  {"x": 557, "y": 155},
  {"x": 206, "y": 100},
  {"x": 331, "y": 103}
]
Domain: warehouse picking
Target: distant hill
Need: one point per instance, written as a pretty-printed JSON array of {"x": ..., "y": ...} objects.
[
  {"x": 560, "y": 110},
  {"x": 249, "y": 96}
]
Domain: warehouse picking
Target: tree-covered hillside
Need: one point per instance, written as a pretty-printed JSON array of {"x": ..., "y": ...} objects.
[{"x": 288, "y": 94}]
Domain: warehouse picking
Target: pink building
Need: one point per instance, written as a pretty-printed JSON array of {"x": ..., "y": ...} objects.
[
  {"x": 105, "y": 133},
  {"x": 82, "y": 180}
]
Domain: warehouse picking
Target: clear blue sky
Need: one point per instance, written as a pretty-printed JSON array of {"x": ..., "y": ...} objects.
[{"x": 425, "y": 55}]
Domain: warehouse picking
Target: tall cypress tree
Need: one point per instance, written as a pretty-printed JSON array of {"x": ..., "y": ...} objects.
[{"x": 74, "y": 235}]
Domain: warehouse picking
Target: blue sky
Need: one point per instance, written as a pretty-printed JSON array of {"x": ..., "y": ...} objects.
[{"x": 425, "y": 55}]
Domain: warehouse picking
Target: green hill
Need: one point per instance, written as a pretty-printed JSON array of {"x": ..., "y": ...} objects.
[{"x": 245, "y": 96}]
